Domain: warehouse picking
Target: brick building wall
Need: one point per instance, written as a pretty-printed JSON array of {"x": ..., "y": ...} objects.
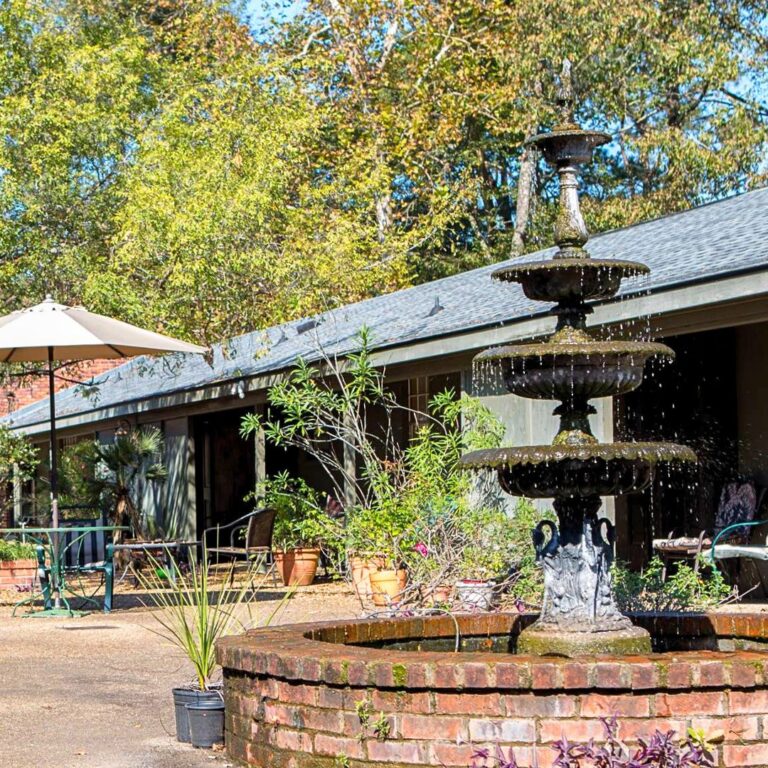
[{"x": 35, "y": 388}]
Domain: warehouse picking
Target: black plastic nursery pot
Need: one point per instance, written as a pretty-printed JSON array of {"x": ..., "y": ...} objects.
[
  {"x": 184, "y": 696},
  {"x": 206, "y": 722}
]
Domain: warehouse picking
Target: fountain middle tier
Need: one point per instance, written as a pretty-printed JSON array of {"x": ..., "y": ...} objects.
[
  {"x": 568, "y": 471},
  {"x": 573, "y": 371}
]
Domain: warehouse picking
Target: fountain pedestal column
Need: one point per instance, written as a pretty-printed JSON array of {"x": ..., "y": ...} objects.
[{"x": 578, "y": 613}]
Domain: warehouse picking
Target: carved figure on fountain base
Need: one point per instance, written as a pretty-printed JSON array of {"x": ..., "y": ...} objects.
[{"x": 579, "y": 614}]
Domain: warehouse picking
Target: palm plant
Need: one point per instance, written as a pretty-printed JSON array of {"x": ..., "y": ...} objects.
[{"x": 120, "y": 464}]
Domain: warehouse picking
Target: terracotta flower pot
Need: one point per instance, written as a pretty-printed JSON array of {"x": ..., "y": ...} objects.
[
  {"x": 441, "y": 594},
  {"x": 298, "y": 566},
  {"x": 360, "y": 568},
  {"x": 387, "y": 585}
]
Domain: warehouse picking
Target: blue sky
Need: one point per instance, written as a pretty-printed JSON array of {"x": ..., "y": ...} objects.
[{"x": 259, "y": 10}]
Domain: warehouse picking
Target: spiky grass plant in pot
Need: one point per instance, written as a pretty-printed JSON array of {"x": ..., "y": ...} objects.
[{"x": 199, "y": 604}]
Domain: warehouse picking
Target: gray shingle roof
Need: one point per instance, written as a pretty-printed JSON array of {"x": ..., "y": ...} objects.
[{"x": 698, "y": 245}]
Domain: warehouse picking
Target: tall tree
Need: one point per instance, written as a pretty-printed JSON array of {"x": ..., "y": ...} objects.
[
  {"x": 439, "y": 97},
  {"x": 157, "y": 167},
  {"x": 161, "y": 163}
]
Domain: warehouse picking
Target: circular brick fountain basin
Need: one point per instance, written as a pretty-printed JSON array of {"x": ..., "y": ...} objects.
[{"x": 394, "y": 694}]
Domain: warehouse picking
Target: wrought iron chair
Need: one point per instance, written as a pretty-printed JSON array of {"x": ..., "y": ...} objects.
[
  {"x": 741, "y": 548},
  {"x": 740, "y": 501},
  {"x": 257, "y": 542}
]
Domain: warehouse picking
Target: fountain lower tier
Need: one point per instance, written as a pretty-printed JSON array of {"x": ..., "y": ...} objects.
[
  {"x": 578, "y": 615},
  {"x": 562, "y": 471},
  {"x": 572, "y": 372},
  {"x": 571, "y": 279}
]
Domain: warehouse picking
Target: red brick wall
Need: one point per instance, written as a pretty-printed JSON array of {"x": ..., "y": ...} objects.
[
  {"x": 36, "y": 388},
  {"x": 292, "y": 697}
]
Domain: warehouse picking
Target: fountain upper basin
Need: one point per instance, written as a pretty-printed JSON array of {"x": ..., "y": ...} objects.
[{"x": 571, "y": 279}]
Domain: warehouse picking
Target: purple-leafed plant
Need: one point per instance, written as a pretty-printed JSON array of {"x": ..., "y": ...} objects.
[
  {"x": 482, "y": 758},
  {"x": 661, "y": 750}
]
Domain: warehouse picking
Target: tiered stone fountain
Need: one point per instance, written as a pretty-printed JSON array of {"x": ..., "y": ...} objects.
[
  {"x": 579, "y": 614},
  {"x": 302, "y": 696}
]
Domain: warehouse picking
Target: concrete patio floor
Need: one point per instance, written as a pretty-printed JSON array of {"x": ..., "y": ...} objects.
[{"x": 94, "y": 692}]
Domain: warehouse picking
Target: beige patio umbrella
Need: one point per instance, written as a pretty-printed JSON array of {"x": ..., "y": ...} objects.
[{"x": 49, "y": 332}]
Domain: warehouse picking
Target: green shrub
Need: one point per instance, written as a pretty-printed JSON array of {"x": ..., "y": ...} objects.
[
  {"x": 684, "y": 590},
  {"x": 301, "y": 520},
  {"x": 16, "y": 550}
]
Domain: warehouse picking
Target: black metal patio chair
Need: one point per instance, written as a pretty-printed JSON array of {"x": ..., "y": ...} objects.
[{"x": 256, "y": 542}]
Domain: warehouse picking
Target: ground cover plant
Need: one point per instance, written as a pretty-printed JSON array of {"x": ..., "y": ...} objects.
[{"x": 659, "y": 750}]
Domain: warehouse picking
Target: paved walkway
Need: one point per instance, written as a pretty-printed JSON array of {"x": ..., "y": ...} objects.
[{"x": 94, "y": 692}]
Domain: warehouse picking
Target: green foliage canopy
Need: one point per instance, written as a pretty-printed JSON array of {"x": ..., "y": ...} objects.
[{"x": 163, "y": 164}]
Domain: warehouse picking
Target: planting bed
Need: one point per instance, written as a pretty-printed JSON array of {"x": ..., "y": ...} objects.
[{"x": 394, "y": 694}]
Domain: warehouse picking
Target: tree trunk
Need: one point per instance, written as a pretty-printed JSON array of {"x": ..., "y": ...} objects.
[{"x": 526, "y": 187}]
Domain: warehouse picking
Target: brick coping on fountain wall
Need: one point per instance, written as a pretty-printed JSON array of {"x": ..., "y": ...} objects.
[{"x": 293, "y": 693}]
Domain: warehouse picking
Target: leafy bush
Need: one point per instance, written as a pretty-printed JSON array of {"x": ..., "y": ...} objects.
[
  {"x": 16, "y": 550},
  {"x": 301, "y": 521},
  {"x": 661, "y": 749},
  {"x": 425, "y": 498},
  {"x": 684, "y": 590},
  {"x": 393, "y": 485}
]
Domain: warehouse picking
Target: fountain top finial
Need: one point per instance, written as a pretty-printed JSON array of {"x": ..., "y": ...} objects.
[
  {"x": 567, "y": 145},
  {"x": 565, "y": 97}
]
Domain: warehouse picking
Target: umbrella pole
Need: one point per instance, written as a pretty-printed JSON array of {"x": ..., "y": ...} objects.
[{"x": 54, "y": 480}]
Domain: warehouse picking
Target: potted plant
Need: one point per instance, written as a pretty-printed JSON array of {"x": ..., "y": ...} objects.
[
  {"x": 486, "y": 553},
  {"x": 388, "y": 585},
  {"x": 18, "y": 565},
  {"x": 360, "y": 566},
  {"x": 196, "y": 610},
  {"x": 301, "y": 526},
  {"x": 374, "y": 538}
]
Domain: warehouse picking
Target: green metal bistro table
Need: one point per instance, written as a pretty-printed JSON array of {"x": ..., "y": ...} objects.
[
  {"x": 166, "y": 549},
  {"x": 52, "y": 569}
]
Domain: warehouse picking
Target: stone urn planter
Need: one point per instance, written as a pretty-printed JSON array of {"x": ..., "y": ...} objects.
[
  {"x": 475, "y": 594},
  {"x": 386, "y": 586},
  {"x": 18, "y": 574},
  {"x": 298, "y": 567}
]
